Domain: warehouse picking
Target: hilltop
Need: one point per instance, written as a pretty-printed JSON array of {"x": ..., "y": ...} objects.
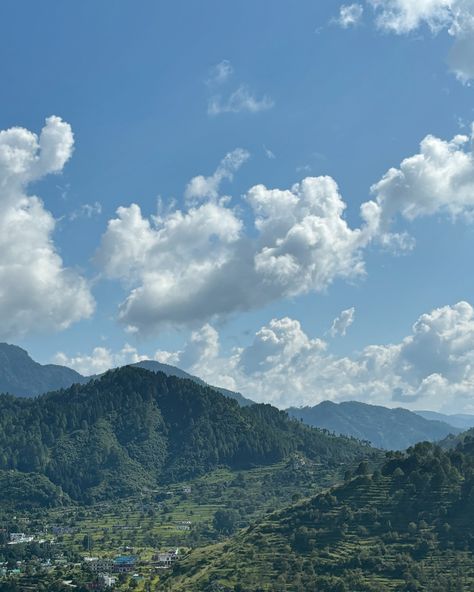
[
  {"x": 21, "y": 376},
  {"x": 132, "y": 429}
]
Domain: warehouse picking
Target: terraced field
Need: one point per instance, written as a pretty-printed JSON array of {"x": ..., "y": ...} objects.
[{"x": 375, "y": 533}]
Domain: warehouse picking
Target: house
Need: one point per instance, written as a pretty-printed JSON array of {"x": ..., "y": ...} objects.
[
  {"x": 166, "y": 560},
  {"x": 124, "y": 563},
  {"x": 20, "y": 537},
  {"x": 103, "y": 582},
  {"x": 107, "y": 581},
  {"x": 99, "y": 565}
]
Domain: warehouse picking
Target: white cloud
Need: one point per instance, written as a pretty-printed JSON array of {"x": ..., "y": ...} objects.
[
  {"x": 404, "y": 16},
  {"x": 433, "y": 367},
  {"x": 192, "y": 265},
  {"x": 239, "y": 101},
  {"x": 221, "y": 72},
  {"x": 305, "y": 243},
  {"x": 342, "y": 322},
  {"x": 454, "y": 16},
  {"x": 242, "y": 99},
  {"x": 269, "y": 153},
  {"x": 36, "y": 292},
  {"x": 208, "y": 260},
  {"x": 350, "y": 15},
  {"x": 437, "y": 180},
  {"x": 87, "y": 211},
  {"x": 200, "y": 187},
  {"x": 100, "y": 360}
]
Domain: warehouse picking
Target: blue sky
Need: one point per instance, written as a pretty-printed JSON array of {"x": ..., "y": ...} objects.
[{"x": 158, "y": 93}]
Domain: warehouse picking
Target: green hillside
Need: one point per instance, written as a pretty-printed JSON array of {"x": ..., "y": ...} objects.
[
  {"x": 134, "y": 429},
  {"x": 21, "y": 376},
  {"x": 407, "y": 528}
]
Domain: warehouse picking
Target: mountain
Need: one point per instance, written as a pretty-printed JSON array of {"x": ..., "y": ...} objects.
[
  {"x": 463, "y": 421},
  {"x": 132, "y": 429},
  {"x": 22, "y": 376},
  {"x": 153, "y": 366},
  {"x": 406, "y": 528},
  {"x": 391, "y": 429}
]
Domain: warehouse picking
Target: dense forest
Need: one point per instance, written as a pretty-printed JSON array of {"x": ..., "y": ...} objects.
[
  {"x": 132, "y": 429},
  {"x": 407, "y": 527}
]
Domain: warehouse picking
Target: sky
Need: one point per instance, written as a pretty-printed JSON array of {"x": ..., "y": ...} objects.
[{"x": 275, "y": 196}]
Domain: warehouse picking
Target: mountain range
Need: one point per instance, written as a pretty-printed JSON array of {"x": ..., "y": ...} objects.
[
  {"x": 392, "y": 429},
  {"x": 132, "y": 429},
  {"x": 463, "y": 421},
  {"x": 20, "y": 375}
]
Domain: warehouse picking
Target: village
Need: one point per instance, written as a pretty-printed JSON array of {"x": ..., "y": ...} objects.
[
  {"x": 92, "y": 572},
  {"x": 42, "y": 554},
  {"x": 128, "y": 544}
]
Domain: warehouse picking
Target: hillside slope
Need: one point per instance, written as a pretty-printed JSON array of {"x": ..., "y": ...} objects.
[
  {"x": 391, "y": 429},
  {"x": 23, "y": 377},
  {"x": 407, "y": 528},
  {"x": 153, "y": 366},
  {"x": 132, "y": 429}
]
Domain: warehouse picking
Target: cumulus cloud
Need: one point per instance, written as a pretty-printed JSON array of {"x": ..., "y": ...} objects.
[
  {"x": 192, "y": 265},
  {"x": 433, "y": 367},
  {"x": 100, "y": 360},
  {"x": 350, "y": 15},
  {"x": 454, "y": 16},
  {"x": 437, "y": 180},
  {"x": 200, "y": 187},
  {"x": 36, "y": 291},
  {"x": 342, "y": 322},
  {"x": 206, "y": 260}
]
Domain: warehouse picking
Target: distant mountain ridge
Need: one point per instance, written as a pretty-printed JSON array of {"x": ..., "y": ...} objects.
[
  {"x": 21, "y": 376},
  {"x": 463, "y": 421},
  {"x": 391, "y": 429}
]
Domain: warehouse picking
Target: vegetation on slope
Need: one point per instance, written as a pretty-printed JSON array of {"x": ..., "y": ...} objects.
[
  {"x": 21, "y": 376},
  {"x": 133, "y": 429},
  {"x": 28, "y": 491},
  {"x": 409, "y": 527}
]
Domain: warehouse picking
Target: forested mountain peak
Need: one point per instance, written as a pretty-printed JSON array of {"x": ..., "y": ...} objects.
[
  {"x": 22, "y": 376},
  {"x": 132, "y": 429}
]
